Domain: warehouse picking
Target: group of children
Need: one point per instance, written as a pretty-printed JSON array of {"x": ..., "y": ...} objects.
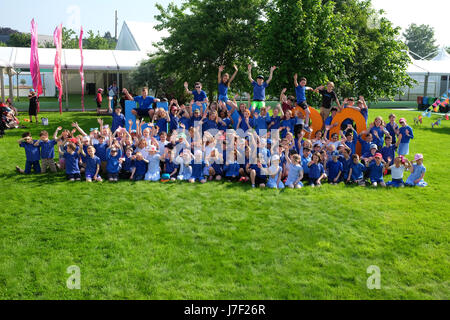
[{"x": 204, "y": 141}]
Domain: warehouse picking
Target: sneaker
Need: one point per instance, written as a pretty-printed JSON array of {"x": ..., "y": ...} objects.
[
  {"x": 242, "y": 179},
  {"x": 253, "y": 185},
  {"x": 307, "y": 129}
]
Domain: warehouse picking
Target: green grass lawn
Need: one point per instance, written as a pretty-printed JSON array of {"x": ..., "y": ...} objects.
[{"x": 221, "y": 240}]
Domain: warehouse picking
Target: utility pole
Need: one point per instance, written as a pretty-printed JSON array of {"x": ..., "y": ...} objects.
[{"x": 115, "y": 25}]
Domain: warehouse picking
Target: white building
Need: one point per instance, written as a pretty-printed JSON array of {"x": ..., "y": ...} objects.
[
  {"x": 101, "y": 67},
  {"x": 432, "y": 76}
]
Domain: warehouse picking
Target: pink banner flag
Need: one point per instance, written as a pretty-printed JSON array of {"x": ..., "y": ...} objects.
[
  {"x": 34, "y": 62},
  {"x": 57, "y": 39},
  {"x": 80, "y": 45}
]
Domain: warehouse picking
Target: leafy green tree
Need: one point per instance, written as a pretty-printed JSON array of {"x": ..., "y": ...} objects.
[
  {"x": 69, "y": 38},
  {"x": 2, "y": 44},
  {"x": 420, "y": 40},
  {"x": 380, "y": 61},
  {"x": 95, "y": 41},
  {"x": 19, "y": 39},
  {"x": 205, "y": 34},
  {"x": 303, "y": 37}
]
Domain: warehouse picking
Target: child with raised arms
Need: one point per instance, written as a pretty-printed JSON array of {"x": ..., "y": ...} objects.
[
  {"x": 47, "y": 150},
  {"x": 225, "y": 82},
  {"x": 72, "y": 157},
  {"x": 400, "y": 165},
  {"x": 259, "y": 89},
  {"x": 113, "y": 155},
  {"x": 200, "y": 97}
]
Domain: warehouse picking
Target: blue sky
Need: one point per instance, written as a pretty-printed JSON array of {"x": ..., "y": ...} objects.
[
  {"x": 92, "y": 15},
  {"x": 99, "y": 14}
]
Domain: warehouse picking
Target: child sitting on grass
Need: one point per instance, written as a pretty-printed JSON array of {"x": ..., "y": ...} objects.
[
  {"x": 139, "y": 167},
  {"x": 31, "y": 152},
  {"x": 113, "y": 155},
  {"x": 72, "y": 157},
  {"x": 334, "y": 168},
  {"x": 295, "y": 174},
  {"x": 376, "y": 168},
  {"x": 316, "y": 171},
  {"x": 400, "y": 165},
  {"x": 356, "y": 172},
  {"x": 417, "y": 173}
]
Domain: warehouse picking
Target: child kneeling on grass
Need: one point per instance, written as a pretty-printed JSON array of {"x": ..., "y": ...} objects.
[
  {"x": 316, "y": 171},
  {"x": 113, "y": 164},
  {"x": 376, "y": 168},
  {"x": 72, "y": 158},
  {"x": 31, "y": 152},
  {"x": 356, "y": 172},
  {"x": 92, "y": 165}
]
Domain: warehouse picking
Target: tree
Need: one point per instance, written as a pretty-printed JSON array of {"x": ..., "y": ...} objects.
[
  {"x": 420, "y": 40},
  {"x": 379, "y": 64},
  {"x": 19, "y": 39},
  {"x": 23, "y": 81},
  {"x": 69, "y": 38},
  {"x": 310, "y": 40},
  {"x": 205, "y": 34},
  {"x": 95, "y": 41},
  {"x": 2, "y": 44}
]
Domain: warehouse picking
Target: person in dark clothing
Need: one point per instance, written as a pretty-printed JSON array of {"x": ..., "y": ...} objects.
[{"x": 32, "y": 109}]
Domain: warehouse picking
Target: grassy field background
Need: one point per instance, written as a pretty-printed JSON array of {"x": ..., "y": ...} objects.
[{"x": 222, "y": 240}]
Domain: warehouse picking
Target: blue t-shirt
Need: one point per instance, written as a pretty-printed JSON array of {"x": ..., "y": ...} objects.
[
  {"x": 294, "y": 173},
  {"x": 357, "y": 170},
  {"x": 141, "y": 167},
  {"x": 199, "y": 96},
  {"x": 316, "y": 170},
  {"x": 365, "y": 113},
  {"x": 243, "y": 125},
  {"x": 127, "y": 164},
  {"x": 223, "y": 89},
  {"x": 209, "y": 124},
  {"x": 378, "y": 141},
  {"x": 113, "y": 164},
  {"x": 232, "y": 169},
  {"x": 259, "y": 91},
  {"x": 144, "y": 103},
  {"x": 197, "y": 169},
  {"x": 173, "y": 122},
  {"x": 333, "y": 169},
  {"x": 346, "y": 163},
  {"x": 277, "y": 122},
  {"x": 305, "y": 162},
  {"x": 162, "y": 125},
  {"x": 225, "y": 126},
  {"x": 365, "y": 146},
  {"x": 170, "y": 166},
  {"x": 31, "y": 152},
  {"x": 91, "y": 165},
  {"x": 416, "y": 174},
  {"x": 391, "y": 131},
  {"x": 100, "y": 150},
  {"x": 388, "y": 152},
  {"x": 300, "y": 93},
  {"x": 71, "y": 162},
  {"x": 376, "y": 171},
  {"x": 47, "y": 149},
  {"x": 262, "y": 122},
  {"x": 405, "y": 138},
  {"x": 289, "y": 124},
  {"x": 117, "y": 121},
  {"x": 186, "y": 122}
]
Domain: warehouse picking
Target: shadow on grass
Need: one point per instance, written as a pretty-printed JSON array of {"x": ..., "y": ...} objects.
[{"x": 440, "y": 129}]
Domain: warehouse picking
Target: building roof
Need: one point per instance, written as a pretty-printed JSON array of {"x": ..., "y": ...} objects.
[
  {"x": 96, "y": 60},
  {"x": 139, "y": 36},
  {"x": 442, "y": 55}
]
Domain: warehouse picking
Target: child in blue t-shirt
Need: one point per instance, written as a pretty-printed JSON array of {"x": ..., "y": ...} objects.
[
  {"x": 287, "y": 124},
  {"x": 261, "y": 120},
  {"x": 295, "y": 174},
  {"x": 184, "y": 161},
  {"x": 47, "y": 151},
  {"x": 113, "y": 156},
  {"x": 388, "y": 151},
  {"x": 197, "y": 165},
  {"x": 127, "y": 163},
  {"x": 316, "y": 171},
  {"x": 275, "y": 120},
  {"x": 376, "y": 169},
  {"x": 72, "y": 158},
  {"x": 259, "y": 89},
  {"x": 200, "y": 98},
  {"x": 300, "y": 92},
  {"x": 334, "y": 168},
  {"x": 92, "y": 165},
  {"x": 118, "y": 119},
  {"x": 31, "y": 152},
  {"x": 346, "y": 161},
  {"x": 404, "y": 136},
  {"x": 417, "y": 173},
  {"x": 100, "y": 151},
  {"x": 139, "y": 167},
  {"x": 170, "y": 166},
  {"x": 356, "y": 172}
]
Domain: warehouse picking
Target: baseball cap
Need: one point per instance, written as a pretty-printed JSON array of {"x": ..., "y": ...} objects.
[
  {"x": 402, "y": 120},
  {"x": 378, "y": 155},
  {"x": 418, "y": 156},
  {"x": 373, "y": 146},
  {"x": 152, "y": 148},
  {"x": 260, "y": 77},
  {"x": 335, "y": 154}
]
